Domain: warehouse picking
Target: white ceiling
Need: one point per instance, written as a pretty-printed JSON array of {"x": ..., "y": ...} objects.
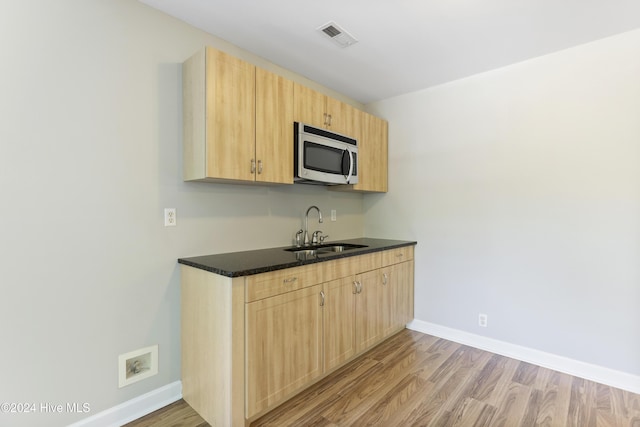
[{"x": 404, "y": 45}]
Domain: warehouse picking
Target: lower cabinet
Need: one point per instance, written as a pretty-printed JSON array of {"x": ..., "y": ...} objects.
[
  {"x": 361, "y": 310},
  {"x": 284, "y": 345},
  {"x": 339, "y": 322},
  {"x": 397, "y": 297},
  {"x": 250, "y": 343},
  {"x": 368, "y": 309}
]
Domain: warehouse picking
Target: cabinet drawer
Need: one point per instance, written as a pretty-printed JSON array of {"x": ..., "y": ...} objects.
[
  {"x": 278, "y": 282},
  {"x": 350, "y": 266},
  {"x": 395, "y": 256}
]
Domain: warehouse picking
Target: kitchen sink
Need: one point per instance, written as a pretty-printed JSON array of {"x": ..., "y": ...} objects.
[{"x": 312, "y": 251}]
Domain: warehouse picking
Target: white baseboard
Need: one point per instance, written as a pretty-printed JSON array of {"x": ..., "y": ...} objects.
[
  {"x": 573, "y": 367},
  {"x": 135, "y": 408}
]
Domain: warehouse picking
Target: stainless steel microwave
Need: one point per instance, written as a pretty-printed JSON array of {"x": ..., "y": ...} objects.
[{"x": 323, "y": 157}]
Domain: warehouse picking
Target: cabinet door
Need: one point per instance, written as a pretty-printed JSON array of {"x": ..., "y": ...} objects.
[
  {"x": 405, "y": 299},
  {"x": 230, "y": 116},
  {"x": 373, "y": 153},
  {"x": 396, "y": 297},
  {"x": 283, "y": 346},
  {"x": 309, "y": 106},
  {"x": 368, "y": 310},
  {"x": 389, "y": 302},
  {"x": 372, "y": 156},
  {"x": 343, "y": 118},
  {"x": 274, "y": 128},
  {"x": 339, "y": 322}
]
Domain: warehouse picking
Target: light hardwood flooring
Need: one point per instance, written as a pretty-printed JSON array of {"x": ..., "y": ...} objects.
[{"x": 413, "y": 379}]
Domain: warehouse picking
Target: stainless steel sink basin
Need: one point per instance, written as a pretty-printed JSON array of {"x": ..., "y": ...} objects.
[
  {"x": 312, "y": 251},
  {"x": 336, "y": 248},
  {"x": 305, "y": 254}
]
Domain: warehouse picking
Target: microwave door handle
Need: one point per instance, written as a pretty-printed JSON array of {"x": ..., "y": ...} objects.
[
  {"x": 342, "y": 165},
  {"x": 350, "y": 165}
]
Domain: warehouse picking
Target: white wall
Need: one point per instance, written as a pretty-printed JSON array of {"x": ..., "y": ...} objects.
[
  {"x": 522, "y": 187},
  {"x": 90, "y": 155}
]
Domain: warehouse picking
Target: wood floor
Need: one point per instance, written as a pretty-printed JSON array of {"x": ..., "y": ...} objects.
[{"x": 414, "y": 379}]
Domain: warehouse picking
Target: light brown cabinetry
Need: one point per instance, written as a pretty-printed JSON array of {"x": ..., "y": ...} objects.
[
  {"x": 397, "y": 297},
  {"x": 397, "y": 290},
  {"x": 317, "y": 109},
  {"x": 283, "y": 333},
  {"x": 339, "y": 322},
  {"x": 238, "y": 124},
  {"x": 347, "y": 322},
  {"x": 249, "y": 343},
  {"x": 274, "y": 128},
  {"x": 213, "y": 347},
  {"x": 368, "y": 309},
  {"x": 235, "y": 116},
  {"x": 284, "y": 346},
  {"x": 372, "y": 156}
]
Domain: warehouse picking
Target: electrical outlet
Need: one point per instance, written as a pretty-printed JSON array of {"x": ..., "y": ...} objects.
[
  {"x": 170, "y": 218},
  {"x": 482, "y": 320},
  {"x": 137, "y": 365},
  {"x": 333, "y": 214}
]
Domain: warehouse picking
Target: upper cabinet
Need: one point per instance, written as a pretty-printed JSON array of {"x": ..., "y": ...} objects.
[
  {"x": 237, "y": 121},
  {"x": 238, "y": 124},
  {"x": 319, "y": 110},
  {"x": 274, "y": 128},
  {"x": 372, "y": 156}
]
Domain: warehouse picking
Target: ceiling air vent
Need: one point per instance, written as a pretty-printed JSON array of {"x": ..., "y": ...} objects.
[{"x": 337, "y": 34}]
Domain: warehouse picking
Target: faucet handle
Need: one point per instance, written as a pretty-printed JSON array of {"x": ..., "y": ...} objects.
[
  {"x": 323, "y": 238},
  {"x": 318, "y": 237}
]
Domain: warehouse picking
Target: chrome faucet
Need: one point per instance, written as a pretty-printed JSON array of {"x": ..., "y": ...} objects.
[{"x": 306, "y": 223}]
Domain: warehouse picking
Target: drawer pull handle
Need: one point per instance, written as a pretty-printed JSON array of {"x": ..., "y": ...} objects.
[
  {"x": 322, "y": 298},
  {"x": 289, "y": 281},
  {"x": 384, "y": 279},
  {"x": 355, "y": 287},
  {"x": 399, "y": 255}
]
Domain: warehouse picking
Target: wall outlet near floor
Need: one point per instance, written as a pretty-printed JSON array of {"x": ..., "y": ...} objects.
[
  {"x": 170, "y": 217},
  {"x": 482, "y": 320},
  {"x": 137, "y": 365},
  {"x": 333, "y": 214}
]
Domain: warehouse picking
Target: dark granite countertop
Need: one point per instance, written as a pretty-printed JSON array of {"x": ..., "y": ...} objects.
[{"x": 246, "y": 263}]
